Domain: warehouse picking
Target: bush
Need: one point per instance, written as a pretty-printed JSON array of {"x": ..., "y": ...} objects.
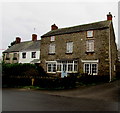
[
  {"x": 90, "y": 79},
  {"x": 56, "y": 83},
  {"x": 19, "y": 70}
]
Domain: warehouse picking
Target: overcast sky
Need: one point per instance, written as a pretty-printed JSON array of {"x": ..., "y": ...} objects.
[{"x": 20, "y": 18}]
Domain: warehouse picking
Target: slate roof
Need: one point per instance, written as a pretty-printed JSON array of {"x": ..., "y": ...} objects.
[
  {"x": 85, "y": 27},
  {"x": 24, "y": 46}
]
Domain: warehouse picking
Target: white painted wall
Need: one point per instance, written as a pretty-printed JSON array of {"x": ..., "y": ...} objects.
[{"x": 28, "y": 58}]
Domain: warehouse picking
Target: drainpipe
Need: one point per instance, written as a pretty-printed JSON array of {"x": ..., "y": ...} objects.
[{"x": 110, "y": 71}]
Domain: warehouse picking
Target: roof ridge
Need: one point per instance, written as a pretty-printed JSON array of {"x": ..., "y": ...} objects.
[
  {"x": 84, "y": 24},
  {"x": 83, "y": 27}
]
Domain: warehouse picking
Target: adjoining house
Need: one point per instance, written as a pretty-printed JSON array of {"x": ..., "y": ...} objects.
[
  {"x": 23, "y": 52},
  {"x": 88, "y": 48}
]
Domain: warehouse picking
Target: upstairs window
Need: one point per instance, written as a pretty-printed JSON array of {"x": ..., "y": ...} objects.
[
  {"x": 69, "y": 47},
  {"x": 52, "y": 49},
  {"x": 33, "y": 55},
  {"x": 52, "y": 38},
  {"x": 23, "y": 55},
  {"x": 90, "y": 46},
  {"x": 90, "y": 34}
]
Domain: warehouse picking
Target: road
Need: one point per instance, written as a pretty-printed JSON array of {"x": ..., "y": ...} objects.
[{"x": 35, "y": 100}]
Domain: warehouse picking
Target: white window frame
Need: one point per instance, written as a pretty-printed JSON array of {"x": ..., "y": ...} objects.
[
  {"x": 25, "y": 55},
  {"x": 52, "y": 66},
  {"x": 90, "y": 68},
  {"x": 90, "y": 46},
  {"x": 67, "y": 65},
  {"x": 90, "y": 34},
  {"x": 69, "y": 48},
  {"x": 52, "y": 38},
  {"x": 33, "y": 56},
  {"x": 52, "y": 49}
]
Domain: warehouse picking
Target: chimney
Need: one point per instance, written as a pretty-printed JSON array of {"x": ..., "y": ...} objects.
[
  {"x": 18, "y": 40},
  {"x": 109, "y": 16},
  {"x": 54, "y": 27},
  {"x": 34, "y": 37}
]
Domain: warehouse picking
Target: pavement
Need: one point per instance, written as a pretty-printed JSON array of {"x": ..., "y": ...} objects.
[{"x": 106, "y": 92}]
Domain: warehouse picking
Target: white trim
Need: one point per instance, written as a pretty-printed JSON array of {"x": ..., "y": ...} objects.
[
  {"x": 90, "y": 68},
  {"x": 90, "y": 61},
  {"x": 50, "y": 61}
]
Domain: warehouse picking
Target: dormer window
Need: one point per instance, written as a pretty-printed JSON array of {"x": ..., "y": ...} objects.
[
  {"x": 90, "y": 34},
  {"x": 52, "y": 38}
]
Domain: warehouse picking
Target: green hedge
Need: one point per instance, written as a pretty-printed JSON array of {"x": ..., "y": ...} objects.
[{"x": 20, "y": 70}]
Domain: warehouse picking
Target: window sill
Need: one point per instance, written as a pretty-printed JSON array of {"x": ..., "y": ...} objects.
[
  {"x": 89, "y": 52},
  {"x": 69, "y": 53}
]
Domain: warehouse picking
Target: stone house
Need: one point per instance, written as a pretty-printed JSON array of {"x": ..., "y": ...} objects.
[
  {"x": 23, "y": 52},
  {"x": 88, "y": 48}
]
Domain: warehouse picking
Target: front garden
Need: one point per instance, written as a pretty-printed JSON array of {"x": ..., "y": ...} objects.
[{"x": 30, "y": 75}]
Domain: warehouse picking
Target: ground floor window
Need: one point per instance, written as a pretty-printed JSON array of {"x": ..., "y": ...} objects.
[
  {"x": 51, "y": 67},
  {"x": 67, "y": 66},
  {"x": 70, "y": 66},
  {"x": 91, "y": 68}
]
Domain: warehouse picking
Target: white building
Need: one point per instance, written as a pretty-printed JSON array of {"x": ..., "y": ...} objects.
[{"x": 23, "y": 52}]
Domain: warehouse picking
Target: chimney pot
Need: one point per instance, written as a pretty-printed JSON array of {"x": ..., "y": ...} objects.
[
  {"x": 18, "y": 40},
  {"x": 109, "y": 16},
  {"x": 34, "y": 37},
  {"x": 54, "y": 27}
]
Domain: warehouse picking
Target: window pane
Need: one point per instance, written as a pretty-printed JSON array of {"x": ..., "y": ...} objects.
[
  {"x": 69, "y": 47},
  {"x": 52, "y": 38},
  {"x": 89, "y": 33},
  {"x": 86, "y": 68},
  {"x": 70, "y": 67},
  {"x": 23, "y": 55},
  {"x": 75, "y": 67},
  {"x": 59, "y": 67},
  {"x": 94, "y": 68},
  {"x": 33, "y": 54},
  {"x": 54, "y": 68},
  {"x": 49, "y": 67},
  {"x": 52, "y": 48},
  {"x": 90, "y": 45}
]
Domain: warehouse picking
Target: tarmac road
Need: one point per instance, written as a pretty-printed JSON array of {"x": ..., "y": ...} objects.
[{"x": 35, "y": 100}]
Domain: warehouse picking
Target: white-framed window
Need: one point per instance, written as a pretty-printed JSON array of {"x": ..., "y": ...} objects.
[
  {"x": 24, "y": 55},
  {"x": 69, "y": 48},
  {"x": 52, "y": 38},
  {"x": 91, "y": 68},
  {"x": 70, "y": 66},
  {"x": 51, "y": 67},
  {"x": 33, "y": 55},
  {"x": 52, "y": 48},
  {"x": 90, "y": 46},
  {"x": 90, "y": 34}
]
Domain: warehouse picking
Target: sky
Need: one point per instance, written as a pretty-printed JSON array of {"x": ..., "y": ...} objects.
[{"x": 22, "y": 19}]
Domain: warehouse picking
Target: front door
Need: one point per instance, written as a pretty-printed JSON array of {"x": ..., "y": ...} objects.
[{"x": 64, "y": 70}]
